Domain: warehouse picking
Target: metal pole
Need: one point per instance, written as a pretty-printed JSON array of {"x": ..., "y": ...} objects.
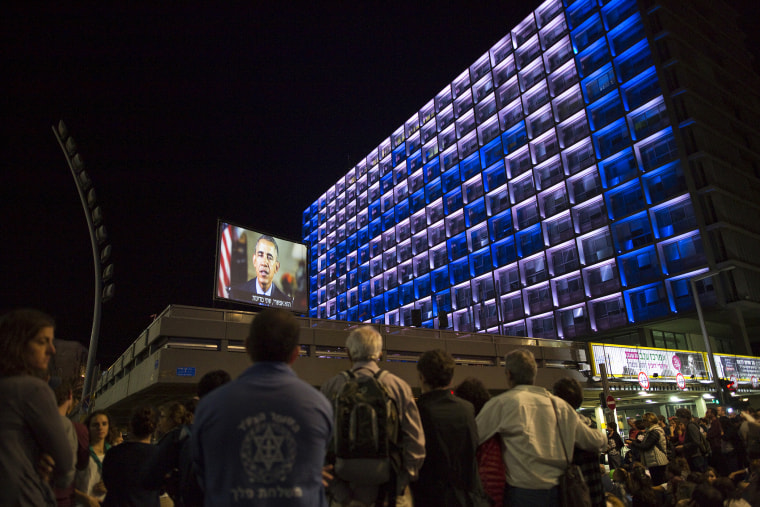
[
  {"x": 701, "y": 317},
  {"x": 98, "y": 303}
]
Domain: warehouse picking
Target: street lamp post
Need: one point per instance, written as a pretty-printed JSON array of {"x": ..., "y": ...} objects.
[
  {"x": 711, "y": 362},
  {"x": 101, "y": 251}
]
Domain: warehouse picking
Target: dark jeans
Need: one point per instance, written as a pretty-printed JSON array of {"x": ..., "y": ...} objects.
[
  {"x": 531, "y": 497},
  {"x": 697, "y": 463},
  {"x": 658, "y": 474}
]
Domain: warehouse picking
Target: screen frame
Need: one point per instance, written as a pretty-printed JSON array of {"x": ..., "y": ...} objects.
[{"x": 260, "y": 301}]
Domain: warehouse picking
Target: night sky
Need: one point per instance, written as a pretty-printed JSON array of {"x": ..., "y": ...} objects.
[{"x": 187, "y": 115}]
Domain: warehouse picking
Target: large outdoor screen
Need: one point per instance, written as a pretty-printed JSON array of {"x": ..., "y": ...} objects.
[{"x": 256, "y": 268}]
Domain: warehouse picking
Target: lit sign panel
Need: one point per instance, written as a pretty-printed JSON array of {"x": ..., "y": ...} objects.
[
  {"x": 628, "y": 362},
  {"x": 742, "y": 367}
]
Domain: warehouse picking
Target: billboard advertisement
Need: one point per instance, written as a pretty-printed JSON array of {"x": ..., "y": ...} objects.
[{"x": 626, "y": 361}]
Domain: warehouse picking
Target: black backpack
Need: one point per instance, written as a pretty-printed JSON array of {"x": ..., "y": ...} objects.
[{"x": 366, "y": 430}]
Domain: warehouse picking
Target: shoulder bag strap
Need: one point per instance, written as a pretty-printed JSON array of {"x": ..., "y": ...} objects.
[{"x": 559, "y": 430}]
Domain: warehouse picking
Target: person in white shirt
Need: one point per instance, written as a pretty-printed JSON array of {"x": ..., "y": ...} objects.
[{"x": 528, "y": 419}]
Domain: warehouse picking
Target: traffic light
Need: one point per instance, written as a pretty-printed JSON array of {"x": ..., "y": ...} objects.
[{"x": 728, "y": 386}]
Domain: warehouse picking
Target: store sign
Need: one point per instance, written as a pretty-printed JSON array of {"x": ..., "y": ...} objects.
[
  {"x": 754, "y": 382},
  {"x": 681, "y": 381},
  {"x": 625, "y": 361},
  {"x": 643, "y": 380},
  {"x": 741, "y": 367}
]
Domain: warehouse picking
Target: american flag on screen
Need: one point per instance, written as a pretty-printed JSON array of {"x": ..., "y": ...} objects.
[{"x": 225, "y": 249}]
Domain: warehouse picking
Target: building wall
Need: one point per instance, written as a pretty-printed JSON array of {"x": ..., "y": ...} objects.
[{"x": 546, "y": 191}]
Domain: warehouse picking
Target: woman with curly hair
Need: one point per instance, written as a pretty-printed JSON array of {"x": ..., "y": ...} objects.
[{"x": 33, "y": 442}]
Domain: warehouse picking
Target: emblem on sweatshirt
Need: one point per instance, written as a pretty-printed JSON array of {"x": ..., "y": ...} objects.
[{"x": 268, "y": 448}]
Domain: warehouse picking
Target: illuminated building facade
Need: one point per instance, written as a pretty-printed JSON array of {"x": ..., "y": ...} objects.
[{"x": 569, "y": 183}]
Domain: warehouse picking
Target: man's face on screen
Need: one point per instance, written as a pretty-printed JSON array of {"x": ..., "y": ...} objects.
[{"x": 265, "y": 263}]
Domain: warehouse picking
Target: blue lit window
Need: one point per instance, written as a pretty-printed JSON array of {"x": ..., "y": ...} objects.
[
  {"x": 640, "y": 90},
  {"x": 639, "y": 267},
  {"x": 504, "y": 252},
  {"x": 491, "y": 153},
  {"x": 442, "y": 302},
  {"x": 459, "y": 271},
  {"x": 683, "y": 254},
  {"x": 529, "y": 241},
  {"x": 440, "y": 278},
  {"x": 500, "y": 225},
  {"x": 674, "y": 217},
  {"x": 605, "y": 110},
  {"x": 664, "y": 183},
  {"x": 599, "y": 83},
  {"x": 457, "y": 246},
  {"x": 649, "y": 119},
  {"x": 391, "y": 299},
  {"x": 480, "y": 262},
  {"x": 615, "y": 12},
  {"x": 593, "y": 57},
  {"x": 618, "y": 168},
  {"x": 625, "y": 199},
  {"x": 634, "y": 61},
  {"x": 632, "y": 233},
  {"x": 406, "y": 293},
  {"x": 514, "y": 138},
  {"x": 475, "y": 213},
  {"x": 453, "y": 201},
  {"x": 579, "y": 11},
  {"x": 422, "y": 287},
  {"x": 657, "y": 150},
  {"x": 450, "y": 179},
  {"x": 611, "y": 139},
  {"x": 494, "y": 176},
  {"x": 647, "y": 302},
  {"x": 470, "y": 166},
  {"x": 587, "y": 33},
  {"x": 626, "y": 34}
]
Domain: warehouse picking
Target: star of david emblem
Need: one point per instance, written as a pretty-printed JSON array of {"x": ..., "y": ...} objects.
[{"x": 268, "y": 448}]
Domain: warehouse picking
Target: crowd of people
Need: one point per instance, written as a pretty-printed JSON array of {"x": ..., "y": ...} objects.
[{"x": 269, "y": 438}]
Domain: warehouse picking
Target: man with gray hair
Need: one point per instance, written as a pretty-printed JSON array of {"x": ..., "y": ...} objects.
[
  {"x": 365, "y": 347},
  {"x": 534, "y": 426}
]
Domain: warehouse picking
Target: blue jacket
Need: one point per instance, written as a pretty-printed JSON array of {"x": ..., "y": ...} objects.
[{"x": 261, "y": 440}]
